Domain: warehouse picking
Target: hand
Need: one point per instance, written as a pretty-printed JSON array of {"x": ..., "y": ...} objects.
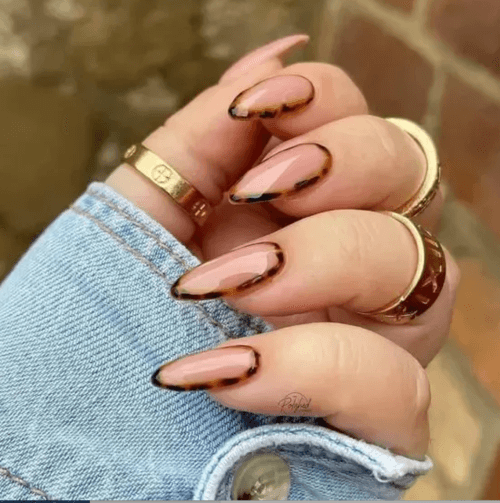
[{"x": 327, "y": 259}]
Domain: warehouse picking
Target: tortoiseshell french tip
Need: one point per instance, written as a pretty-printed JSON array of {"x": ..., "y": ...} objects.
[
  {"x": 154, "y": 380},
  {"x": 259, "y": 198},
  {"x": 305, "y": 165},
  {"x": 176, "y": 294},
  {"x": 193, "y": 373},
  {"x": 222, "y": 276},
  {"x": 272, "y": 97},
  {"x": 171, "y": 387}
]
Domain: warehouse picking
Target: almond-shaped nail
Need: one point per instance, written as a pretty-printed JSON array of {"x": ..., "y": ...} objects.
[
  {"x": 208, "y": 370},
  {"x": 275, "y": 49},
  {"x": 283, "y": 174},
  {"x": 231, "y": 273},
  {"x": 273, "y": 97}
]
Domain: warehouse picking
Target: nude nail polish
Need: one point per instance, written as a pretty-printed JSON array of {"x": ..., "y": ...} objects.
[
  {"x": 232, "y": 273},
  {"x": 275, "y": 49},
  {"x": 283, "y": 174},
  {"x": 273, "y": 97},
  {"x": 208, "y": 370}
]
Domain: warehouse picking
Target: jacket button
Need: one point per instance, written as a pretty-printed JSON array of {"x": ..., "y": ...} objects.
[{"x": 262, "y": 477}]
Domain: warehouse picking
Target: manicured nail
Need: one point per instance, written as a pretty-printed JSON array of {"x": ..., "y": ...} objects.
[
  {"x": 276, "y": 49},
  {"x": 283, "y": 174},
  {"x": 272, "y": 97},
  {"x": 208, "y": 370},
  {"x": 232, "y": 273}
]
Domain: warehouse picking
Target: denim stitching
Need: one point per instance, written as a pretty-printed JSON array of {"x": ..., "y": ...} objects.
[
  {"x": 18, "y": 480},
  {"x": 214, "y": 322},
  {"x": 249, "y": 323},
  {"x": 146, "y": 231},
  {"x": 149, "y": 264},
  {"x": 336, "y": 441}
]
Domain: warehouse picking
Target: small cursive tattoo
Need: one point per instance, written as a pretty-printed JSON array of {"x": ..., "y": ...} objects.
[{"x": 295, "y": 402}]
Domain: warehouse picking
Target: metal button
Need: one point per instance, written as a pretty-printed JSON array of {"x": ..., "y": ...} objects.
[{"x": 262, "y": 477}]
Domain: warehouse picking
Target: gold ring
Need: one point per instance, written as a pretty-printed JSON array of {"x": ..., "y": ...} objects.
[
  {"x": 426, "y": 284},
  {"x": 169, "y": 180},
  {"x": 430, "y": 185}
]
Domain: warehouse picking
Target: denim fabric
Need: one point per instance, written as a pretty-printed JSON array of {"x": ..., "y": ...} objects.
[{"x": 85, "y": 319}]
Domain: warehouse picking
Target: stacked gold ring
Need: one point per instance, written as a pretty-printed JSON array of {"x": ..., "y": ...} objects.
[
  {"x": 430, "y": 275},
  {"x": 427, "y": 191},
  {"x": 427, "y": 282}
]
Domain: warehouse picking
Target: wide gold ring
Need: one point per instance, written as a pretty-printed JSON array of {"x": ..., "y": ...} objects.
[
  {"x": 170, "y": 181},
  {"x": 425, "y": 194},
  {"x": 427, "y": 282}
]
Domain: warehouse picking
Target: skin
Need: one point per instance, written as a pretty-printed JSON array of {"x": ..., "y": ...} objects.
[{"x": 361, "y": 376}]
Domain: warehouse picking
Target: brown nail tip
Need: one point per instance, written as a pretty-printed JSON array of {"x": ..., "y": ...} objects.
[
  {"x": 298, "y": 186},
  {"x": 178, "y": 294},
  {"x": 272, "y": 110},
  {"x": 172, "y": 387},
  {"x": 213, "y": 384},
  {"x": 258, "y": 198}
]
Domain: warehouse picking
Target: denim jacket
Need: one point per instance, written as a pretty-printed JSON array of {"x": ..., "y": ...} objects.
[{"x": 86, "y": 318}]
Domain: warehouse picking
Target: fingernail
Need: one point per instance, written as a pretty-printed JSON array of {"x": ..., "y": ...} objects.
[
  {"x": 283, "y": 174},
  {"x": 276, "y": 49},
  {"x": 232, "y": 273},
  {"x": 208, "y": 370},
  {"x": 272, "y": 97}
]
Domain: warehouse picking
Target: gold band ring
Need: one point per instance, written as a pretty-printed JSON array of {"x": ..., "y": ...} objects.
[
  {"x": 430, "y": 185},
  {"x": 426, "y": 284},
  {"x": 169, "y": 180}
]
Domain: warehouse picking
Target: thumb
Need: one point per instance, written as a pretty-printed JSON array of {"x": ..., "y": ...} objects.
[{"x": 201, "y": 141}]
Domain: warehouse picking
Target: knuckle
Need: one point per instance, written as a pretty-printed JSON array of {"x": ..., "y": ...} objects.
[
  {"x": 386, "y": 133},
  {"x": 357, "y": 242}
]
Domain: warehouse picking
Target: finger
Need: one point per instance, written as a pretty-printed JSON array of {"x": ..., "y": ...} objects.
[
  {"x": 270, "y": 54},
  {"x": 356, "y": 380},
  {"x": 354, "y": 259},
  {"x": 360, "y": 162}
]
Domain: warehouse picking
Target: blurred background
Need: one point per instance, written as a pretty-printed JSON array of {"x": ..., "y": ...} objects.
[{"x": 82, "y": 79}]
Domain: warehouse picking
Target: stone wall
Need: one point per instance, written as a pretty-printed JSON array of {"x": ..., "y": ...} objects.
[
  {"x": 436, "y": 62},
  {"x": 81, "y": 79}
]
